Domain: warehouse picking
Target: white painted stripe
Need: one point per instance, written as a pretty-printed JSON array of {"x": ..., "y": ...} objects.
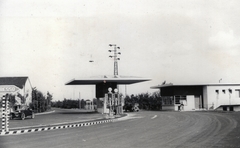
[
  {"x": 11, "y": 132},
  {"x": 52, "y": 128},
  {"x": 155, "y": 116}
]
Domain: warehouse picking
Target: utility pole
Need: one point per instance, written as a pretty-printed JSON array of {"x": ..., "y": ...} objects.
[{"x": 114, "y": 56}]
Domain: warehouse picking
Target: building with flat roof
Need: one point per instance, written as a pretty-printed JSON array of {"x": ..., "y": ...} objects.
[{"x": 218, "y": 96}]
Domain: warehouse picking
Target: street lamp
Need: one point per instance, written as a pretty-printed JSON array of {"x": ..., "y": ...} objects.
[
  {"x": 114, "y": 56},
  {"x": 92, "y": 61}
]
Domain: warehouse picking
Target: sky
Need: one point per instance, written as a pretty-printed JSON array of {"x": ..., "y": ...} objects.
[{"x": 52, "y": 41}]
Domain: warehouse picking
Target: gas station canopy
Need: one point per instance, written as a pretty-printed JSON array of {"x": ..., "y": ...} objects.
[
  {"x": 119, "y": 80},
  {"x": 102, "y": 83}
]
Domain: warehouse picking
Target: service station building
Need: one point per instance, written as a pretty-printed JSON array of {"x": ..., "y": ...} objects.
[{"x": 219, "y": 96}]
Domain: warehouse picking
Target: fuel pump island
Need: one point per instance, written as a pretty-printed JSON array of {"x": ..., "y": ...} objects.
[{"x": 107, "y": 90}]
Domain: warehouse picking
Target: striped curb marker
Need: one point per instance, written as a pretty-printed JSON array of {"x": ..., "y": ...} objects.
[
  {"x": 5, "y": 116},
  {"x": 15, "y": 132}
]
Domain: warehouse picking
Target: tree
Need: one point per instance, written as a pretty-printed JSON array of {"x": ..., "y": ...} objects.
[
  {"x": 39, "y": 102},
  {"x": 11, "y": 100},
  {"x": 145, "y": 101},
  {"x": 83, "y": 103},
  {"x": 49, "y": 100}
]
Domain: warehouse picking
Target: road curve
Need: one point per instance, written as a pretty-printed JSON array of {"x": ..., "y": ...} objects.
[{"x": 141, "y": 130}]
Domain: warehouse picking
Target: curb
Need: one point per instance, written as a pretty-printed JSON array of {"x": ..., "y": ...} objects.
[
  {"x": 43, "y": 113},
  {"x": 23, "y": 131}
]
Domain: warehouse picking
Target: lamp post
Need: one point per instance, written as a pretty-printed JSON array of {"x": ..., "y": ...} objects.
[
  {"x": 114, "y": 56},
  {"x": 79, "y": 101},
  {"x": 92, "y": 61}
]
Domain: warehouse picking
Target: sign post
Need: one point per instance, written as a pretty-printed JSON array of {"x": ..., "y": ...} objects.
[
  {"x": 7, "y": 89},
  {"x": 5, "y": 113}
]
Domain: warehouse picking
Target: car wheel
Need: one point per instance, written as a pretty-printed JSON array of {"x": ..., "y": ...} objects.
[
  {"x": 33, "y": 115},
  {"x": 22, "y": 116}
]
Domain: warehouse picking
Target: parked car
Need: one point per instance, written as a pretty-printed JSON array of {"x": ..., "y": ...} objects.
[
  {"x": 135, "y": 109},
  {"x": 131, "y": 108},
  {"x": 21, "y": 112}
]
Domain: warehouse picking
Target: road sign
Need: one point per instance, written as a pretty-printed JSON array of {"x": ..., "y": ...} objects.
[{"x": 8, "y": 88}]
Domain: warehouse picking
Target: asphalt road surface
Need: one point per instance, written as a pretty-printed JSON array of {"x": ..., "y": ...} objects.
[
  {"x": 144, "y": 129},
  {"x": 58, "y": 116}
]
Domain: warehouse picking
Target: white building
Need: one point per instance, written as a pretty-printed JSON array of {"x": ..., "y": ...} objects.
[
  {"x": 219, "y": 96},
  {"x": 15, "y": 85}
]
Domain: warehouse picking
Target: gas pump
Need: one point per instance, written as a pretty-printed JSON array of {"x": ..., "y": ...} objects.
[
  {"x": 113, "y": 102},
  {"x": 110, "y": 102}
]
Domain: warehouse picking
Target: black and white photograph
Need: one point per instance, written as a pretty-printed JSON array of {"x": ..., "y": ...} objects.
[{"x": 119, "y": 74}]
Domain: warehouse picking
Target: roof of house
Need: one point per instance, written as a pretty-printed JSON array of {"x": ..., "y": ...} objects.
[
  {"x": 206, "y": 84},
  {"x": 17, "y": 81}
]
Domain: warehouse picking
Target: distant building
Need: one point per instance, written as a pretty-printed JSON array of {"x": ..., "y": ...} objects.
[
  {"x": 219, "y": 96},
  {"x": 89, "y": 105},
  {"x": 16, "y": 85}
]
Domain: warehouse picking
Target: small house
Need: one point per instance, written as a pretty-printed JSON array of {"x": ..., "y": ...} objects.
[{"x": 19, "y": 87}]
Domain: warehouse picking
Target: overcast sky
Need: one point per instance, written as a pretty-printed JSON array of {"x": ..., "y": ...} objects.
[{"x": 52, "y": 41}]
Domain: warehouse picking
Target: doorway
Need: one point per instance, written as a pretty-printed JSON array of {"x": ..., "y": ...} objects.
[{"x": 198, "y": 102}]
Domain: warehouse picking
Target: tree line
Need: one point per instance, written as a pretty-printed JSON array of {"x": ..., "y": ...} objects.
[
  {"x": 41, "y": 103},
  {"x": 70, "y": 103},
  {"x": 145, "y": 101}
]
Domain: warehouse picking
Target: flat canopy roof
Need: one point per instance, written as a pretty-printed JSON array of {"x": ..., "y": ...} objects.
[
  {"x": 207, "y": 84},
  {"x": 107, "y": 79}
]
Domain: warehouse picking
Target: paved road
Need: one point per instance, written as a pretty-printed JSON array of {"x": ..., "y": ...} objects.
[
  {"x": 145, "y": 129},
  {"x": 58, "y": 116}
]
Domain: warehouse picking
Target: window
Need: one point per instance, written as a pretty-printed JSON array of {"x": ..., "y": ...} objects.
[
  {"x": 223, "y": 91},
  {"x": 179, "y": 99},
  {"x": 217, "y": 91},
  {"x": 167, "y": 100}
]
